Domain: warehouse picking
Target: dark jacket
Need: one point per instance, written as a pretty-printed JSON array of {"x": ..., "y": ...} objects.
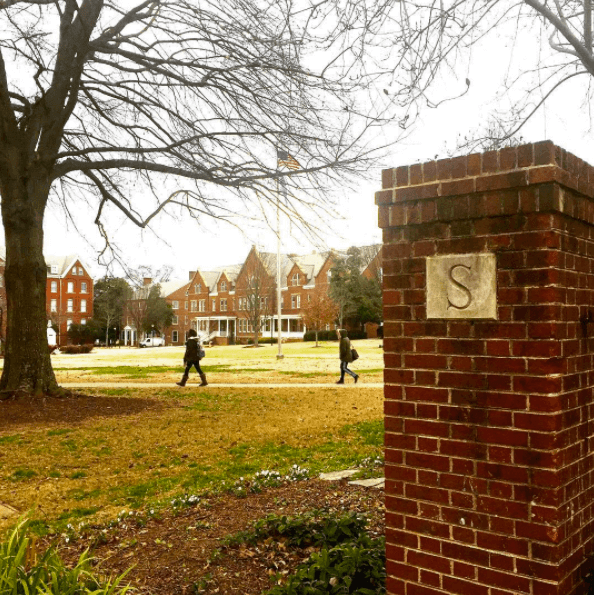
[
  {"x": 192, "y": 346},
  {"x": 345, "y": 347}
]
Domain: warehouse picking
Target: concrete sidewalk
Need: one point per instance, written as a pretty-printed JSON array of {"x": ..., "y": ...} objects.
[{"x": 216, "y": 385}]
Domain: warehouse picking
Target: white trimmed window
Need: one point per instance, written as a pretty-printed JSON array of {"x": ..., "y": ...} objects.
[
  {"x": 201, "y": 305},
  {"x": 223, "y": 285},
  {"x": 54, "y": 269},
  {"x": 214, "y": 306},
  {"x": 83, "y": 321},
  {"x": 83, "y": 305},
  {"x": 194, "y": 306},
  {"x": 174, "y": 336},
  {"x": 175, "y": 320},
  {"x": 53, "y": 305},
  {"x": 185, "y": 305},
  {"x": 68, "y": 324},
  {"x": 223, "y": 305},
  {"x": 80, "y": 271},
  {"x": 54, "y": 287},
  {"x": 70, "y": 286},
  {"x": 175, "y": 305},
  {"x": 83, "y": 287},
  {"x": 295, "y": 279},
  {"x": 198, "y": 288},
  {"x": 70, "y": 306}
]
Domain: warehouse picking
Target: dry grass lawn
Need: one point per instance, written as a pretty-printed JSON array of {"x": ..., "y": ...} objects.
[
  {"x": 302, "y": 362},
  {"x": 194, "y": 439}
]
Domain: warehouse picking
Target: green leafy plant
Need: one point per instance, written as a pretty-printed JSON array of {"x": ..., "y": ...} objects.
[
  {"x": 23, "y": 572},
  {"x": 355, "y": 568},
  {"x": 310, "y": 529}
]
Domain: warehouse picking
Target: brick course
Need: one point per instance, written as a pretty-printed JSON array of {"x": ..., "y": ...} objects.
[{"x": 489, "y": 481}]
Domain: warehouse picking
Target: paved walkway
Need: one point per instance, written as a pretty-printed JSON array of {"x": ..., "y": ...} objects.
[{"x": 123, "y": 384}]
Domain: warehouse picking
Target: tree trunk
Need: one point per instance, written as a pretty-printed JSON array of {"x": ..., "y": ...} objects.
[{"x": 27, "y": 362}]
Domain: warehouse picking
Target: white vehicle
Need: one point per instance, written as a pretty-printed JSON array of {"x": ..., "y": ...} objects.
[{"x": 152, "y": 342}]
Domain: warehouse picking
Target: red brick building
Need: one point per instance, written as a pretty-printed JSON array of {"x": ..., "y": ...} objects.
[
  {"x": 224, "y": 304},
  {"x": 217, "y": 303},
  {"x": 69, "y": 293}
]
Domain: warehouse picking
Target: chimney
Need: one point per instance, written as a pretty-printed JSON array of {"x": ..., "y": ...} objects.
[
  {"x": 147, "y": 281},
  {"x": 192, "y": 273}
]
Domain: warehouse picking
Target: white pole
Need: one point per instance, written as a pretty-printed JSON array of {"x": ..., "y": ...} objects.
[{"x": 278, "y": 269}]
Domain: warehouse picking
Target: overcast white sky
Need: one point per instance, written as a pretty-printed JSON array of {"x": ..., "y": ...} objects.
[{"x": 185, "y": 246}]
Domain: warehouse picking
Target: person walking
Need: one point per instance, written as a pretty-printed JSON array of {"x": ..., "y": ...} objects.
[
  {"x": 346, "y": 356},
  {"x": 192, "y": 357}
]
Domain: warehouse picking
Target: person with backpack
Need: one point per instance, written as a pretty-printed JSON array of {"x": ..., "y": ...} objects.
[
  {"x": 346, "y": 356},
  {"x": 194, "y": 353}
]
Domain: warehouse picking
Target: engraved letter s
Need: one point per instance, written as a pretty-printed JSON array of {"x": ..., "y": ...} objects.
[{"x": 461, "y": 287}]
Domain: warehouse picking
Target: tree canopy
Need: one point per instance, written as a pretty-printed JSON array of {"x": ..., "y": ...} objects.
[{"x": 359, "y": 299}]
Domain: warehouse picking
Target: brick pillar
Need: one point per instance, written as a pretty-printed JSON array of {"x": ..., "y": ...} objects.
[{"x": 489, "y": 470}]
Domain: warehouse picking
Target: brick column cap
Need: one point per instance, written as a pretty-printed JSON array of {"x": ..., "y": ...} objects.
[{"x": 514, "y": 167}]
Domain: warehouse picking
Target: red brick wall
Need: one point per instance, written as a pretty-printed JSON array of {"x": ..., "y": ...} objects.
[{"x": 488, "y": 435}]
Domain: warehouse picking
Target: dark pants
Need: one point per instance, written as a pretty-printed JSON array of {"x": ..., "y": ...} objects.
[
  {"x": 189, "y": 365},
  {"x": 344, "y": 367}
]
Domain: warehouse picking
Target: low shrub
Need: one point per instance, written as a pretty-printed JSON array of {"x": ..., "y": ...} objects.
[
  {"x": 76, "y": 349},
  {"x": 23, "y": 570},
  {"x": 310, "y": 529},
  {"x": 348, "y": 562},
  {"x": 331, "y": 335},
  {"x": 355, "y": 567}
]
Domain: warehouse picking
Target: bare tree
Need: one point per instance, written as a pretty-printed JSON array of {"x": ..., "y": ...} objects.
[
  {"x": 441, "y": 34},
  {"x": 320, "y": 310},
  {"x": 256, "y": 289},
  {"x": 141, "y": 106}
]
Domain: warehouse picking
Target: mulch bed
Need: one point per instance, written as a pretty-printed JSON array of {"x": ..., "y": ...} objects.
[{"x": 172, "y": 554}]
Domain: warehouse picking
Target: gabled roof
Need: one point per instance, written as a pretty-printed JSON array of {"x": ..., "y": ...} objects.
[
  {"x": 311, "y": 264},
  {"x": 169, "y": 287},
  {"x": 64, "y": 264}
]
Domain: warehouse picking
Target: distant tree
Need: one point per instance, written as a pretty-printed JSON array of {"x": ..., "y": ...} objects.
[
  {"x": 110, "y": 297},
  {"x": 81, "y": 334},
  {"x": 319, "y": 311},
  {"x": 359, "y": 299},
  {"x": 158, "y": 314},
  {"x": 256, "y": 287}
]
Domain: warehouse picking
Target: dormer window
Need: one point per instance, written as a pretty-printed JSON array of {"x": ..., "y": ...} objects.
[
  {"x": 223, "y": 286},
  {"x": 295, "y": 279},
  {"x": 54, "y": 269}
]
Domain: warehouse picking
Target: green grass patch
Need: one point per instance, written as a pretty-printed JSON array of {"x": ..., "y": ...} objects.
[
  {"x": 23, "y": 474},
  {"x": 78, "y": 475},
  {"x": 299, "y": 374},
  {"x": 59, "y": 432}
]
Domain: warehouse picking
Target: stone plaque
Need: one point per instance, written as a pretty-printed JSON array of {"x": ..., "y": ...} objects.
[{"x": 462, "y": 286}]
